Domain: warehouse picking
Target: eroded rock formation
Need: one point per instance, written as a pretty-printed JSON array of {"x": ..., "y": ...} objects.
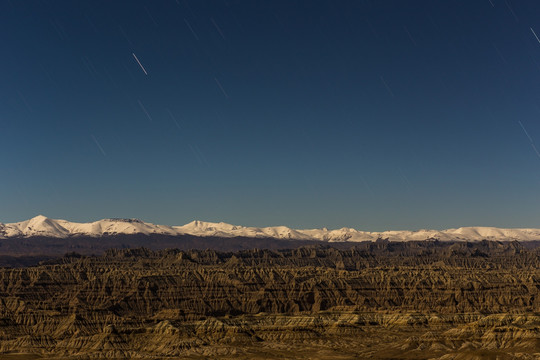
[{"x": 380, "y": 300}]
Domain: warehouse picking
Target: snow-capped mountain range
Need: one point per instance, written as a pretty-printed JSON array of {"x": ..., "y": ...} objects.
[{"x": 43, "y": 226}]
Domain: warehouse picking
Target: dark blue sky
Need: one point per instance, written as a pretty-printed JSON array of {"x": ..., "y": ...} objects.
[{"x": 370, "y": 114}]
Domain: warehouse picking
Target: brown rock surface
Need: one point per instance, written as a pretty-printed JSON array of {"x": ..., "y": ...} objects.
[{"x": 423, "y": 300}]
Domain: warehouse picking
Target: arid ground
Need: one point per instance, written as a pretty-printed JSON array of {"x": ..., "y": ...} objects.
[{"x": 383, "y": 300}]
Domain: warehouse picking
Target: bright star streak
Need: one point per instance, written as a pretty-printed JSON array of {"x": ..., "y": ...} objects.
[
  {"x": 537, "y": 39},
  {"x": 142, "y": 67}
]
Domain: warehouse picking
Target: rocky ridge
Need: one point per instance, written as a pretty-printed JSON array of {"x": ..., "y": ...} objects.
[{"x": 387, "y": 300}]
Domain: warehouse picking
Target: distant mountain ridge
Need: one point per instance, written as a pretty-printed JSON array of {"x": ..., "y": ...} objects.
[{"x": 57, "y": 228}]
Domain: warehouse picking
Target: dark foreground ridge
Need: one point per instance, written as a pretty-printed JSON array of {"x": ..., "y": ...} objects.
[
  {"x": 28, "y": 251},
  {"x": 87, "y": 245},
  {"x": 417, "y": 300}
]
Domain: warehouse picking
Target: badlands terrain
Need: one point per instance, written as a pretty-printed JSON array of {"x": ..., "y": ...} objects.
[{"x": 372, "y": 300}]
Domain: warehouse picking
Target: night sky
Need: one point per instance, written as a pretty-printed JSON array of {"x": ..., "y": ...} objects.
[{"x": 375, "y": 115}]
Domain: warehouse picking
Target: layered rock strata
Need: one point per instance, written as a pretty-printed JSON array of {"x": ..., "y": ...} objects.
[{"x": 464, "y": 301}]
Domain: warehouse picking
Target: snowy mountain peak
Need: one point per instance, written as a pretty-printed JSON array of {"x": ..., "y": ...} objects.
[
  {"x": 204, "y": 228},
  {"x": 44, "y": 226},
  {"x": 41, "y": 226},
  {"x": 39, "y": 218},
  {"x": 122, "y": 220}
]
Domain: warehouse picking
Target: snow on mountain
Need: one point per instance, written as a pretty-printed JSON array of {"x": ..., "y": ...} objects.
[
  {"x": 492, "y": 233},
  {"x": 116, "y": 226},
  {"x": 202, "y": 228},
  {"x": 37, "y": 226},
  {"x": 43, "y": 226}
]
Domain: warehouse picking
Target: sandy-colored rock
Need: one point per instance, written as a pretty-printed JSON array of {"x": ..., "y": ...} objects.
[{"x": 388, "y": 301}]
